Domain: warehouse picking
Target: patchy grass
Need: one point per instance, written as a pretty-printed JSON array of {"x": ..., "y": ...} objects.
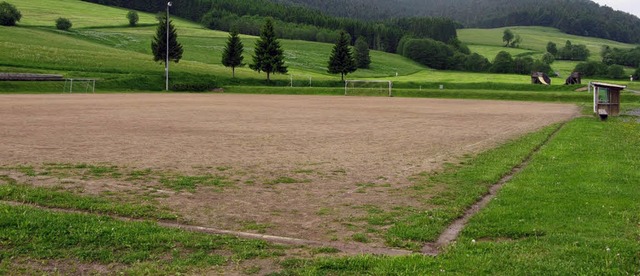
[
  {"x": 285, "y": 180},
  {"x": 134, "y": 247},
  {"x": 10, "y": 190},
  {"x": 573, "y": 210},
  {"x": 191, "y": 183}
]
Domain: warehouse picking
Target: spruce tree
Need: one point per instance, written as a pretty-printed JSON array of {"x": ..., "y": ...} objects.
[
  {"x": 341, "y": 60},
  {"x": 363, "y": 59},
  {"x": 268, "y": 56},
  {"x": 159, "y": 43},
  {"x": 232, "y": 54}
]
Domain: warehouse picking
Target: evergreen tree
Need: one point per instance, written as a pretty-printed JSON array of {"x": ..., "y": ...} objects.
[
  {"x": 159, "y": 43},
  {"x": 232, "y": 54},
  {"x": 363, "y": 59},
  {"x": 268, "y": 56},
  {"x": 341, "y": 60}
]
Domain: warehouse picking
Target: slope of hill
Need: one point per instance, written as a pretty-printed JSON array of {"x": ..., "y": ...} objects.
[
  {"x": 579, "y": 17},
  {"x": 101, "y": 45}
]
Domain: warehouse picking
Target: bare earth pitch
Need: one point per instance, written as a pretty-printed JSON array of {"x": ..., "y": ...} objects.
[{"x": 301, "y": 166}]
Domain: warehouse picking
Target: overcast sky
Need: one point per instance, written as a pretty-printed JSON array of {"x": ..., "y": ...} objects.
[{"x": 630, "y": 6}]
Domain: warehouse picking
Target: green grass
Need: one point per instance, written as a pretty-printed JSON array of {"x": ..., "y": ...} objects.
[
  {"x": 191, "y": 183},
  {"x": 536, "y": 39},
  {"x": 101, "y": 46},
  {"x": 573, "y": 210},
  {"x": 10, "y": 190},
  {"x": 129, "y": 247}
]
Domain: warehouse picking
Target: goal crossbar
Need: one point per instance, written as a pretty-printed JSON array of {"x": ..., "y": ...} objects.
[
  {"x": 89, "y": 85},
  {"x": 386, "y": 84}
]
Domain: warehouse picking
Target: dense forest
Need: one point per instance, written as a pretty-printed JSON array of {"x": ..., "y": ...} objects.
[
  {"x": 579, "y": 17},
  {"x": 298, "y": 22}
]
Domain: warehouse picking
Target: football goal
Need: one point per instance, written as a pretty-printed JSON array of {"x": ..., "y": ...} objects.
[
  {"x": 300, "y": 81},
  {"x": 79, "y": 86},
  {"x": 368, "y": 88}
]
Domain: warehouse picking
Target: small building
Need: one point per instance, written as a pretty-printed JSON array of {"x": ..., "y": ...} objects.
[
  {"x": 540, "y": 78},
  {"x": 574, "y": 78},
  {"x": 606, "y": 98}
]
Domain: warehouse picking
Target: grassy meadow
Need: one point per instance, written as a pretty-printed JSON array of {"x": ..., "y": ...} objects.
[{"x": 101, "y": 45}]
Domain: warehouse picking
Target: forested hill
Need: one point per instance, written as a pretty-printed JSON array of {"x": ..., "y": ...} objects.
[{"x": 579, "y": 17}]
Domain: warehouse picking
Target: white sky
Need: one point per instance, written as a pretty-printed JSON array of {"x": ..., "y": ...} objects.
[{"x": 630, "y": 6}]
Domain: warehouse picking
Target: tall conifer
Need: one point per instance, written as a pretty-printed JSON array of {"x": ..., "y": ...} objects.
[
  {"x": 232, "y": 54},
  {"x": 341, "y": 60},
  {"x": 363, "y": 59},
  {"x": 159, "y": 43},
  {"x": 269, "y": 56}
]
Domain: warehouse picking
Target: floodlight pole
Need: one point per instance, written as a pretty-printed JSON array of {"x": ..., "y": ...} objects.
[{"x": 166, "y": 64}]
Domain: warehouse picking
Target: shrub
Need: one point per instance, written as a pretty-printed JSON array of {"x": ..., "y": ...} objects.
[
  {"x": 133, "y": 18},
  {"x": 477, "y": 63},
  {"x": 616, "y": 72},
  {"x": 592, "y": 68},
  {"x": 636, "y": 75},
  {"x": 193, "y": 87},
  {"x": 63, "y": 24},
  {"x": 503, "y": 63},
  {"x": 9, "y": 15},
  {"x": 429, "y": 52}
]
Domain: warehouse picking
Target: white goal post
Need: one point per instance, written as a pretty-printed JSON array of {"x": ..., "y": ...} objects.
[
  {"x": 299, "y": 80},
  {"x": 80, "y": 85},
  {"x": 368, "y": 88}
]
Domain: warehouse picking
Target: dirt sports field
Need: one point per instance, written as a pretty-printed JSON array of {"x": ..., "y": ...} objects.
[{"x": 295, "y": 166}]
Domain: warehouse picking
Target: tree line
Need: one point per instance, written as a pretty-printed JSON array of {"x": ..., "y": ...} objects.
[
  {"x": 579, "y": 17},
  {"x": 296, "y": 22}
]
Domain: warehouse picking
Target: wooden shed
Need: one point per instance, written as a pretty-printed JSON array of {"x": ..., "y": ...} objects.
[
  {"x": 606, "y": 98},
  {"x": 540, "y": 78}
]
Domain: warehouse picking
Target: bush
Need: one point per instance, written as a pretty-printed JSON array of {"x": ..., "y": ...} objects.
[
  {"x": 193, "y": 87},
  {"x": 133, "y": 18},
  {"x": 503, "y": 63},
  {"x": 63, "y": 24},
  {"x": 616, "y": 72},
  {"x": 9, "y": 15},
  {"x": 477, "y": 63},
  {"x": 592, "y": 68},
  {"x": 429, "y": 52},
  {"x": 636, "y": 75}
]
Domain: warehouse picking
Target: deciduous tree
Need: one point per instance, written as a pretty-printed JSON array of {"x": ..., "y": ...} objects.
[
  {"x": 133, "y": 18},
  {"x": 9, "y": 14},
  {"x": 507, "y": 37}
]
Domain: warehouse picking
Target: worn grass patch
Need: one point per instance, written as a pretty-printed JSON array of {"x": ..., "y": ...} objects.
[
  {"x": 10, "y": 190},
  {"x": 139, "y": 247},
  {"x": 575, "y": 209}
]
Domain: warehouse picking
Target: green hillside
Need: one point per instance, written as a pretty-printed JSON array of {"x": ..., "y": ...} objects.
[{"x": 101, "y": 45}]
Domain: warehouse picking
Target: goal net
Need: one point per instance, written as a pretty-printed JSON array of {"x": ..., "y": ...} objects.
[
  {"x": 368, "y": 88},
  {"x": 299, "y": 81},
  {"x": 79, "y": 86}
]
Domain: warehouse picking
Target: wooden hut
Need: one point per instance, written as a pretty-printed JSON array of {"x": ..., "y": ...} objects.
[
  {"x": 606, "y": 98},
  {"x": 574, "y": 78},
  {"x": 540, "y": 78}
]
